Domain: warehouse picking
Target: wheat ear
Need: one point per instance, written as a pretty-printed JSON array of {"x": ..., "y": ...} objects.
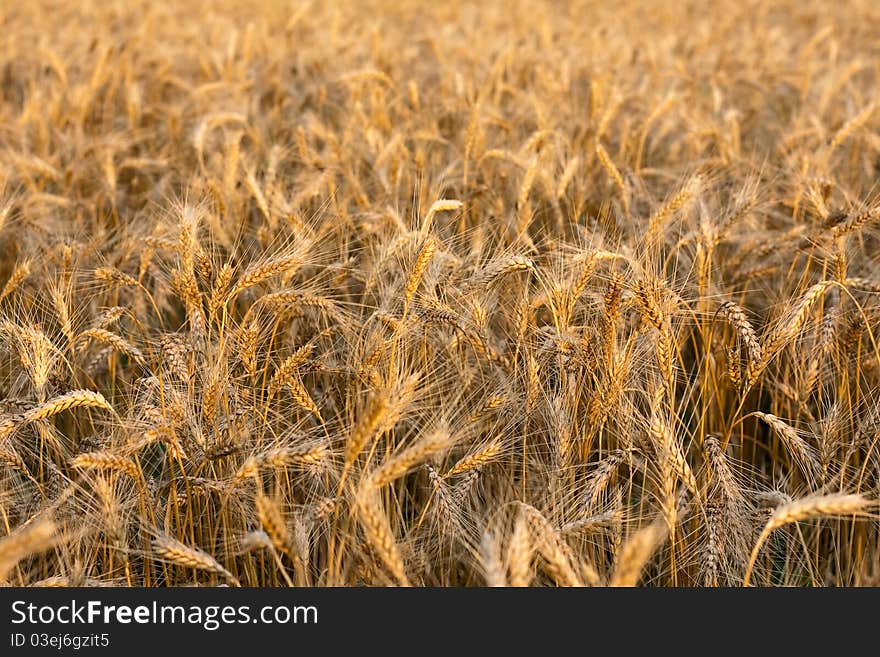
[
  {"x": 477, "y": 459},
  {"x": 378, "y": 532},
  {"x": 637, "y": 551},
  {"x": 105, "y": 461},
  {"x": 176, "y": 552},
  {"x": 401, "y": 463},
  {"x": 74, "y": 399},
  {"x": 423, "y": 259},
  {"x": 815, "y": 506},
  {"x": 35, "y": 536}
]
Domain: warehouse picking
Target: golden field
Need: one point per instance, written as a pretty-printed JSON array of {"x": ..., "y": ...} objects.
[{"x": 439, "y": 294}]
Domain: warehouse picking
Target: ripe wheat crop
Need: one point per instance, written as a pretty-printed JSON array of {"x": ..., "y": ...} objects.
[{"x": 439, "y": 294}]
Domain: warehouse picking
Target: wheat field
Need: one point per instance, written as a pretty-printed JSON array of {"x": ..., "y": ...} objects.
[{"x": 439, "y": 294}]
